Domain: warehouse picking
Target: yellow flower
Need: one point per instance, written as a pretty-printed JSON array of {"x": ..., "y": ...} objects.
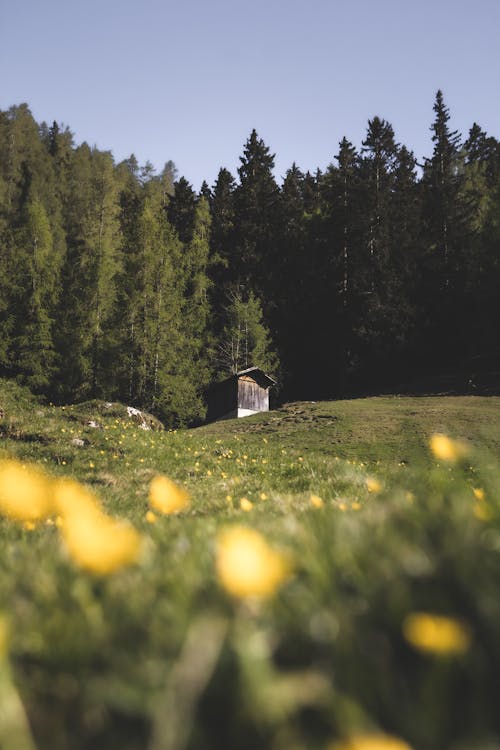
[
  {"x": 436, "y": 634},
  {"x": 478, "y": 493},
  {"x": 246, "y": 565},
  {"x": 25, "y": 492},
  {"x": 246, "y": 504},
  {"x": 483, "y": 511},
  {"x": 167, "y": 497},
  {"x": 73, "y": 499},
  {"x": 151, "y": 517},
  {"x": 100, "y": 544},
  {"x": 263, "y": 496},
  {"x": 370, "y": 742},
  {"x": 316, "y": 501},
  {"x": 447, "y": 449},
  {"x": 373, "y": 485}
]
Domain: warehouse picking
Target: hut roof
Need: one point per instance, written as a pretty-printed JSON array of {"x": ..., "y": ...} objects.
[{"x": 258, "y": 374}]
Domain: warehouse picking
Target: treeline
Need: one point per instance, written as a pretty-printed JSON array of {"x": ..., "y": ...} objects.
[{"x": 120, "y": 283}]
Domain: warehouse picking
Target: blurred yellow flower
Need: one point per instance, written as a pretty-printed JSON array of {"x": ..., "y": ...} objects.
[
  {"x": 73, "y": 499},
  {"x": 447, "y": 449},
  {"x": 370, "y": 742},
  {"x": 246, "y": 505},
  {"x": 373, "y": 485},
  {"x": 151, "y": 517},
  {"x": 263, "y": 496},
  {"x": 25, "y": 492},
  {"x": 436, "y": 634},
  {"x": 246, "y": 565},
  {"x": 483, "y": 511},
  {"x": 478, "y": 493},
  {"x": 100, "y": 544},
  {"x": 167, "y": 497},
  {"x": 316, "y": 501}
]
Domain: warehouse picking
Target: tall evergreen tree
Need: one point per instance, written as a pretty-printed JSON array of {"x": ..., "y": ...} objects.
[
  {"x": 245, "y": 341},
  {"x": 446, "y": 222},
  {"x": 254, "y": 263},
  {"x": 181, "y": 209},
  {"x": 89, "y": 275},
  {"x": 379, "y": 149}
]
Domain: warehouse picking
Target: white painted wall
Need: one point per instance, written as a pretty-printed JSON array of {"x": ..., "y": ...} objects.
[{"x": 246, "y": 412}]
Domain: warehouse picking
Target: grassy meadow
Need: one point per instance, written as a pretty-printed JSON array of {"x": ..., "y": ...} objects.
[{"x": 331, "y": 582}]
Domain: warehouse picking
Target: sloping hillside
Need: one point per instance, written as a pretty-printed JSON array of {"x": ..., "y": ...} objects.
[{"x": 331, "y": 574}]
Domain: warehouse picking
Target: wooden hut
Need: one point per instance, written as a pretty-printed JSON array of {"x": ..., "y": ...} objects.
[{"x": 244, "y": 393}]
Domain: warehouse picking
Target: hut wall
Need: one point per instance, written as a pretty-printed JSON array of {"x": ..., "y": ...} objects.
[{"x": 251, "y": 396}]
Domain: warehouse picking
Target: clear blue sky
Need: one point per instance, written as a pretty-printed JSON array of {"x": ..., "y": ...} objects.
[{"x": 187, "y": 80}]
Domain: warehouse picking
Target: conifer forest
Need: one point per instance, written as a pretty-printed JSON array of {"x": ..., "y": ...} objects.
[{"x": 120, "y": 283}]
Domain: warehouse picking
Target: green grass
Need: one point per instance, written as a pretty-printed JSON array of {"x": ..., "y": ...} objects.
[{"x": 158, "y": 656}]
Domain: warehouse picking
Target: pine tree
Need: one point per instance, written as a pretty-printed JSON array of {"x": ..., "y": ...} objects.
[
  {"x": 222, "y": 236},
  {"x": 181, "y": 210},
  {"x": 152, "y": 315},
  {"x": 245, "y": 341},
  {"x": 447, "y": 229},
  {"x": 34, "y": 345},
  {"x": 293, "y": 287},
  {"x": 442, "y": 181},
  {"x": 89, "y": 276},
  {"x": 379, "y": 149},
  {"x": 256, "y": 198},
  {"x": 32, "y": 250},
  {"x": 196, "y": 353}
]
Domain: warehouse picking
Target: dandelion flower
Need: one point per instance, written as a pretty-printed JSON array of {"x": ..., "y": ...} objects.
[
  {"x": 100, "y": 544},
  {"x": 436, "y": 634},
  {"x": 73, "y": 499},
  {"x": 483, "y": 511},
  {"x": 316, "y": 501},
  {"x": 25, "y": 492},
  {"x": 246, "y": 565},
  {"x": 246, "y": 505},
  {"x": 446, "y": 449},
  {"x": 370, "y": 742},
  {"x": 167, "y": 497},
  {"x": 478, "y": 493},
  {"x": 151, "y": 517},
  {"x": 373, "y": 485}
]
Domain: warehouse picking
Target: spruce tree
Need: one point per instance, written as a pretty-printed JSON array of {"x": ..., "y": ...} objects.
[
  {"x": 181, "y": 209},
  {"x": 254, "y": 263},
  {"x": 446, "y": 223},
  {"x": 245, "y": 341},
  {"x": 222, "y": 237}
]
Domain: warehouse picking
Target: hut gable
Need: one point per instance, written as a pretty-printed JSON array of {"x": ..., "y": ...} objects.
[{"x": 244, "y": 393}]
